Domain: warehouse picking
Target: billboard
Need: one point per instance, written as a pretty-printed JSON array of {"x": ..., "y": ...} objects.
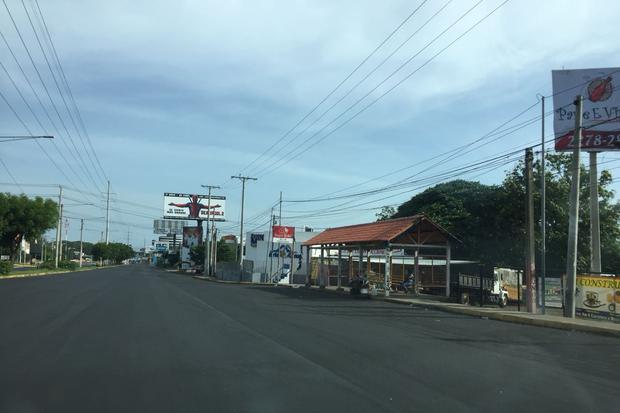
[
  {"x": 598, "y": 297},
  {"x": 191, "y": 206},
  {"x": 283, "y": 234},
  {"x": 601, "y": 108},
  {"x": 192, "y": 236},
  {"x": 167, "y": 226}
]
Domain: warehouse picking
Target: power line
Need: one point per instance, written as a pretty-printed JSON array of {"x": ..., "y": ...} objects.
[
  {"x": 68, "y": 88},
  {"x": 8, "y": 171},
  {"x": 338, "y": 85},
  {"x": 286, "y": 159},
  {"x": 21, "y": 95},
  {"x": 62, "y": 97},
  {"x": 354, "y": 87},
  {"x": 78, "y": 157}
]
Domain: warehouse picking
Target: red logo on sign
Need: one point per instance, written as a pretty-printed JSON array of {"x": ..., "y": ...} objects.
[
  {"x": 600, "y": 89},
  {"x": 283, "y": 232}
]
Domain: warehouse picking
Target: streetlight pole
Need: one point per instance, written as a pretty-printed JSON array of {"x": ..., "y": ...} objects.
[
  {"x": 243, "y": 179},
  {"x": 11, "y": 138},
  {"x": 207, "y": 264}
]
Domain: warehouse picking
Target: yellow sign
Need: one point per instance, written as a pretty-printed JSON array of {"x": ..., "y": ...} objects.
[{"x": 597, "y": 297}]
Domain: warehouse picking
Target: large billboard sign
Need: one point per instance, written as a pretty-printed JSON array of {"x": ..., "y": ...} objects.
[
  {"x": 167, "y": 226},
  {"x": 191, "y": 206},
  {"x": 601, "y": 108},
  {"x": 283, "y": 234}
]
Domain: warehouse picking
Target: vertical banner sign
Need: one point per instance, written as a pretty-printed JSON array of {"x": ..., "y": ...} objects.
[
  {"x": 598, "y": 297},
  {"x": 283, "y": 234},
  {"x": 601, "y": 108},
  {"x": 192, "y": 236}
]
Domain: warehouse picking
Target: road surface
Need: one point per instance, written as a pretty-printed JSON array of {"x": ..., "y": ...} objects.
[{"x": 137, "y": 339}]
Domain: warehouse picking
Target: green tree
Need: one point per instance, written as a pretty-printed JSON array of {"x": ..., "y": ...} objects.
[
  {"x": 22, "y": 217},
  {"x": 386, "y": 213},
  {"x": 490, "y": 220},
  {"x": 115, "y": 252},
  {"x": 557, "y": 181},
  {"x": 464, "y": 209},
  {"x": 197, "y": 254},
  {"x": 100, "y": 251},
  {"x": 225, "y": 252}
]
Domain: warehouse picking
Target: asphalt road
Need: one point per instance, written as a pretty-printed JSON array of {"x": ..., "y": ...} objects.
[{"x": 133, "y": 339}]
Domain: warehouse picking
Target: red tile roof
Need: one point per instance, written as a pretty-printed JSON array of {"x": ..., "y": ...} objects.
[{"x": 381, "y": 231}]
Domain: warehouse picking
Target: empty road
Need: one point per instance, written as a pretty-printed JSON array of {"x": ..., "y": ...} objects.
[{"x": 136, "y": 339}]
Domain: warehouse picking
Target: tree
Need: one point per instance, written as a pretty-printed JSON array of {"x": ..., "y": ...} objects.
[
  {"x": 225, "y": 252},
  {"x": 197, "y": 254},
  {"x": 386, "y": 213},
  {"x": 490, "y": 219},
  {"x": 115, "y": 252},
  {"x": 557, "y": 181},
  {"x": 462, "y": 208},
  {"x": 22, "y": 217},
  {"x": 100, "y": 251}
]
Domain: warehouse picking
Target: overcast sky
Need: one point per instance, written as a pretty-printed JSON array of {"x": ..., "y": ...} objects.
[{"x": 182, "y": 93}]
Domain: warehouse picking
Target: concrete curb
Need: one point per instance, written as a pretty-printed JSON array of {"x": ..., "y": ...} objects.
[
  {"x": 211, "y": 279},
  {"x": 41, "y": 274},
  {"x": 533, "y": 320}
]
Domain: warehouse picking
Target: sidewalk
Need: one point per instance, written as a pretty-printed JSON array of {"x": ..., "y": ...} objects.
[
  {"x": 551, "y": 321},
  {"x": 494, "y": 313}
]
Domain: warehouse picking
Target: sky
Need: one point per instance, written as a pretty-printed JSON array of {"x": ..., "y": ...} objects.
[{"x": 175, "y": 95}]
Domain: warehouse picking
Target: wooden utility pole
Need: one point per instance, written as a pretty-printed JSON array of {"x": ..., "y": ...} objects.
[
  {"x": 573, "y": 216},
  {"x": 530, "y": 262}
]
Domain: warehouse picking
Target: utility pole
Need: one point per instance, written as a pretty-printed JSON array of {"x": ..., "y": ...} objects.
[
  {"x": 543, "y": 214},
  {"x": 530, "y": 262},
  {"x": 207, "y": 264},
  {"x": 58, "y": 227},
  {"x": 81, "y": 233},
  {"x": 595, "y": 227},
  {"x": 269, "y": 247},
  {"x": 107, "y": 216},
  {"x": 243, "y": 179},
  {"x": 573, "y": 216},
  {"x": 279, "y": 269},
  {"x": 60, "y": 237}
]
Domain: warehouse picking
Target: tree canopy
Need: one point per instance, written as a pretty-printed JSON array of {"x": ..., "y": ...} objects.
[
  {"x": 22, "y": 217},
  {"x": 115, "y": 251},
  {"x": 490, "y": 219}
]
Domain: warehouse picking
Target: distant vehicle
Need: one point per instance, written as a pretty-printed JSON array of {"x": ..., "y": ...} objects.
[{"x": 492, "y": 291}]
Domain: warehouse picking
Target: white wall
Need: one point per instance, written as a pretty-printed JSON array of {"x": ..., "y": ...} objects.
[{"x": 258, "y": 253}]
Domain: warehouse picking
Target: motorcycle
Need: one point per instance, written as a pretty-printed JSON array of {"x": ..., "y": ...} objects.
[{"x": 360, "y": 287}]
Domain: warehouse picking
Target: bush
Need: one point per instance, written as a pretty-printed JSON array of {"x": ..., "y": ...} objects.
[
  {"x": 47, "y": 265},
  {"x": 68, "y": 265},
  {"x": 6, "y": 267}
]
